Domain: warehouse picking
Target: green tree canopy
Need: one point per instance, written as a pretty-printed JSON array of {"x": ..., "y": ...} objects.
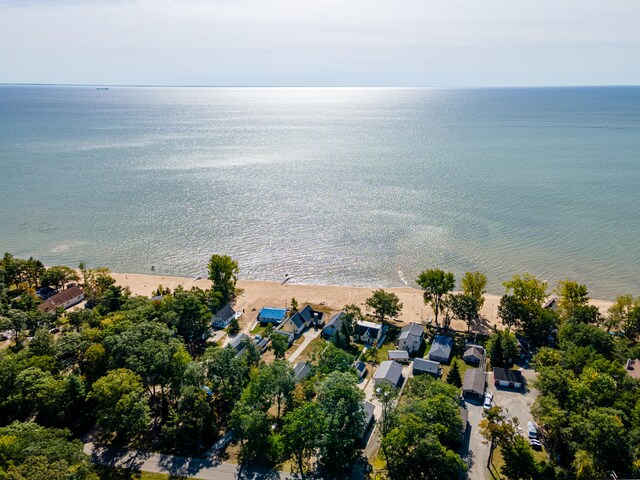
[
  {"x": 384, "y": 304},
  {"x": 436, "y": 284},
  {"x": 474, "y": 284},
  {"x": 223, "y": 273}
]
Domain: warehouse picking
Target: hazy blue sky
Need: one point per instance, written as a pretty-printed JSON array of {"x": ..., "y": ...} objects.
[{"x": 321, "y": 42}]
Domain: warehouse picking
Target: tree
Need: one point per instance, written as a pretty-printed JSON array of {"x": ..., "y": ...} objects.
[
  {"x": 228, "y": 375},
  {"x": 301, "y": 431},
  {"x": 340, "y": 400},
  {"x": 386, "y": 395},
  {"x": 474, "y": 284},
  {"x": 294, "y": 304},
  {"x": 519, "y": 462},
  {"x": 234, "y": 326},
  {"x": 334, "y": 359},
  {"x": 464, "y": 307},
  {"x": 352, "y": 315},
  {"x": 223, "y": 273},
  {"x": 512, "y": 311},
  {"x": 571, "y": 295},
  {"x": 384, "y": 304},
  {"x": 453, "y": 377},
  {"x": 58, "y": 276},
  {"x": 31, "y": 452},
  {"x": 121, "y": 407},
  {"x": 279, "y": 345},
  {"x": 259, "y": 445},
  {"x": 436, "y": 284},
  {"x": 189, "y": 315},
  {"x": 527, "y": 288},
  {"x": 502, "y": 347}
]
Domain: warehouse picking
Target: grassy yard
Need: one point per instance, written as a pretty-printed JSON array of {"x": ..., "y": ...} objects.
[
  {"x": 461, "y": 365},
  {"x": 384, "y": 349},
  {"x": 317, "y": 344}
]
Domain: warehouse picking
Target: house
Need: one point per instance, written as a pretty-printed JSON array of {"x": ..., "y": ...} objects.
[
  {"x": 441, "y": 348},
  {"x": 272, "y": 315},
  {"x": 361, "y": 369},
  {"x": 473, "y": 354},
  {"x": 311, "y": 317},
  {"x": 301, "y": 371},
  {"x": 294, "y": 325},
  {"x": 368, "y": 333},
  {"x": 503, "y": 377},
  {"x": 401, "y": 356},
  {"x": 551, "y": 303},
  {"x": 421, "y": 365},
  {"x": 223, "y": 317},
  {"x": 474, "y": 383},
  {"x": 633, "y": 368},
  {"x": 334, "y": 325},
  {"x": 238, "y": 343},
  {"x": 66, "y": 298},
  {"x": 388, "y": 372},
  {"x": 410, "y": 338}
]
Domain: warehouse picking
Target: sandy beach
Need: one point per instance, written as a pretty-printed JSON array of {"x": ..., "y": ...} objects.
[{"x": 258, "y": 294}]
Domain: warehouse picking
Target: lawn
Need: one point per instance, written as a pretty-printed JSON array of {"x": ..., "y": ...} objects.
[
  {"x": 384, "y": 349},
  {"x": 461, "y": 365},
  {"x": 316, "y": 344}
]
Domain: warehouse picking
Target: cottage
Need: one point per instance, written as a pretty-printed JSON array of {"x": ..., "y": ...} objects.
[
  {"x": 272, "y": 315},
  {"x": 473, "y": 354},
  {"x": 388, "y": 372},
  {"x": 401, "y": 356},
  {"x": 65, "y": 299},
  {"x": 421, "y": 365},
  {"x": 503, "y": 377},
  {"x": 369, "y": 409},
  {"x": 238, "y": 343},
  {"x": 294, "y": 325},
  {"x": 301, "y": 371},
  {"x": 368, "y": 333},
  {"x": 410, "y": 338},
  {"x": 334, "y": 325},
  {"x": 311, "y": 317},
  {"x": 223, "y": 317},
  {"x": 474, "y": 383},
  {"x": 441, "y": 348}
]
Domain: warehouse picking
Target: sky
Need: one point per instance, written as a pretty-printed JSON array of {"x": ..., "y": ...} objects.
[{"x": 321, "y": 42}]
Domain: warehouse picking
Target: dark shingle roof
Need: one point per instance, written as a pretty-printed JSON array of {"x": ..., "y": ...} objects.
[
  {"x": 474, "y": 381},
  {"x": 507, "y": 375}
]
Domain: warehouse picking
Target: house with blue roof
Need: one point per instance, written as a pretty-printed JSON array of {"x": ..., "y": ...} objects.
[{"x": 272, "y": 315}]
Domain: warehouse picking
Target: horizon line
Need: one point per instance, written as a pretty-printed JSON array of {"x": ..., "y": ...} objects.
[{"x": 150, "y": 85}]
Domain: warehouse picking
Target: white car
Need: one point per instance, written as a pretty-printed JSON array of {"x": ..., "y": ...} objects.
[{"x": 488, "y": 397}]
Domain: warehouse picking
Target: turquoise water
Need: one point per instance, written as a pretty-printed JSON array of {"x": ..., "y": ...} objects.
[{"x": 341, "y": 186}]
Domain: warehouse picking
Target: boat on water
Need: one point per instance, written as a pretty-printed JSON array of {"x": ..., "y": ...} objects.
[{"x": 102, "y": 88}]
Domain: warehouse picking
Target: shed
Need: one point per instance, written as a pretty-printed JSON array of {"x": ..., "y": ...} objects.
[
  {"x": 301, "y": 371},
  {"x": 389, "y": 372},
  {"x": 441, "y": 348},
  {"x": 504, "y": 377},
  {"x": 272, "y": 315},
  {"x": 422, "y": 365},
  {"x": 474, "y": 383},
  {"x": 401, "y": 356},
  {"x": 361, "y": 369},
  {"x": 369, "y": 409},
  {"x": 238, "y": 343}
]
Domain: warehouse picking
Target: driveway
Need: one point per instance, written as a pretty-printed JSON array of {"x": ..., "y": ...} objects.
[
  {"x": 309, "y": 336},
  {"x": 474, "y": 451},
  {"x": 516, "y": 403}
]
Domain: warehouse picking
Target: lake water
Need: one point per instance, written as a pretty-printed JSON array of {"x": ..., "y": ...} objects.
[{"x": 342, "y": 186}]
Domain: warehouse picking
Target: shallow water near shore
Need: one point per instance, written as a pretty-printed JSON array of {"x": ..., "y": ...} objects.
[{"x": 341, "y": 186}]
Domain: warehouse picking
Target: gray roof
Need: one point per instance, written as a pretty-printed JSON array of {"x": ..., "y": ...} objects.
[
  {"x": 507, "y": 375},
  {"x": 398, "y": 355},
  {"x": 390, "y": 371},
  {"x": 301, "y": 371},
  {"x": 368, "y": 408},
  {"x": 364, "y": 327},
  {"x": 236, "y": 342},
  {"x": 309, "y": 314},
  {"x": 334, "y": 324},
  {"x": 226, "y": 312},
  {"x": 423, "y": 365},
  {"x": 298, "y": 320},
  {"x": 474, "y": 381},
  {"x": 441, "y": 346},
  {"x": 411, "y": 329},
  {"x": 474, "y": 351}
]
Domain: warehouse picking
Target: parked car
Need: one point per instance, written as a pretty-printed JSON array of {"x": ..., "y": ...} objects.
[
  {"x": 532, "y": 430},
  {"x": 488, "y": 397}
]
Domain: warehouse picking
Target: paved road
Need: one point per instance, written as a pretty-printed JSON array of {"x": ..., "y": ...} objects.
[
  {"x": 202, "y": 468},
  {"x": 309, "y": 336},
  {"x": 477, "y": 452}
]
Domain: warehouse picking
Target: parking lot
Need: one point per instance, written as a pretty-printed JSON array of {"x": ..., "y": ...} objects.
[{"x": 516, "y": 402}]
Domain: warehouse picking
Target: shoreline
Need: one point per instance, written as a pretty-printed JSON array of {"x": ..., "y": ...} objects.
[{"x": 264, "y": 293}]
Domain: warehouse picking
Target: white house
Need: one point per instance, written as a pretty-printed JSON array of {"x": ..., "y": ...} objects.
[
  {"x": 401, "y": 356},
  {"x": 66, "y": 298},
  {"x": 367, "y": 332},
  {"x": 223, "y": 317},
  {"x": 410, "y": 338}
]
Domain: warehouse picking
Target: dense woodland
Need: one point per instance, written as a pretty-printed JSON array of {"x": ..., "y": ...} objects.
[{"x": 141, "y": 371}]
